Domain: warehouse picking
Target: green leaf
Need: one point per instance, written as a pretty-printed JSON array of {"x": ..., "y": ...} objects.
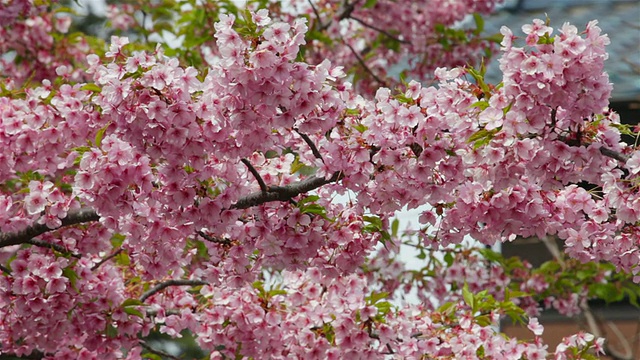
[
  {"x": 100, "y": 135},
  {"x": 122, "y": 259},
  {"x": 131, "y": 302},
  {"x": 447, "y": 308},
  {"x": 468, "y": 297},
  {"x": 270, "y": 154},
  {"x": 360, "y": 128},
  {"x": 117, "y": 240},
  {"x": 478, "y": 135},
  {"x": 151, "y": 356},
  {"x": 308, "y": 199},
  {"x": 496, "y": 38},
  {"x": 315, "y": 209},
  {"x": 352, "y": 112},
  {"x": 111, "y": 331},
  {"x": 482, "y": 104},
  {"x": 550, "y": 267},
  {"x": 134, "y": 312},
  {"x": 275, "y": 292},
  {"x": 320, "y": 36},
  {"x": 373, "y": 220},
  {"x": 633, "y": 292},
  {"x": 369, "y": 4},
  {"x": 384, "y": 307},
  {"x": 587, "y": 356},
  {"x": 479, "y": 23},
  {"x": 491, "y": 255},
  {"x": 376, "y": 296},
  {"x": 70, "y": 274},
  {"x": 395, "y": 224},
  {"x": 607, "y": 292},
  {"x": 482, "y": 142},
  {"x": 483, "y": 320},
  {"x": 390, "y": 43},
  {"x": 506, "y": 109},
  {"x": 91, "y": 87},
  {"x": 448, "y": 258}
]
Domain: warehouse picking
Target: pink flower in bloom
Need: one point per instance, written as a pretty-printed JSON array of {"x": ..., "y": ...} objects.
[
  {"x": 36, "y": 200},
  {"x": 633, "y": 164},
  {"x": 535, "y": 327}
]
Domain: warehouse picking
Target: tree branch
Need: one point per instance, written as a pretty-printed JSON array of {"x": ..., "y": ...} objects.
[
  {"x": 157, "y": 352},
  {"x": 166, "y": 284},
  {"x": 5, "y": 269},
  {"x": 114, "y": 254},
  {"x": 56, "y": 247},
  {"x": 364, "y": 65},
  {"x": 285, "y": 193},
  {"x": 84, "y": 215},
  {"x": 614, "y": 154},
  {"x": 212, "y": 239},
  {"x": 315, "y": 11},
  {"x": 347, "y": 9},
  {"x": 256, "y": 174},
  {"x": 35, "y": 355},
  {"x": 313, "y": 147},
  {"x": 74, "y": 217},
  {"x": 382, "y": 31}
]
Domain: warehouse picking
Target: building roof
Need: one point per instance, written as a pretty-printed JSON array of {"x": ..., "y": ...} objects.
[{"x": 620, "y": 19}]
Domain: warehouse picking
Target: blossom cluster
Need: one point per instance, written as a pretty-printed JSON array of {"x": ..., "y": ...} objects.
[
  {"x": 33, "y": 47},
  {"x": 160, "y": 195}
]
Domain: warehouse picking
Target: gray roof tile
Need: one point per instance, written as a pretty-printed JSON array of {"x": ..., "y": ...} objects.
[{"x": 620, "y": 19}]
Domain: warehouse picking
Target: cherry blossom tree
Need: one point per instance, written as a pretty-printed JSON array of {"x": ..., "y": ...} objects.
[{"x": 191, "y": 186}]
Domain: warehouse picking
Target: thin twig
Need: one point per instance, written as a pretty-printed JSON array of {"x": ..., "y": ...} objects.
[
  {"x": 347, "y": 9},
  {"x": 163, "y": 285},
  {"x": 382, "y": 31},
  {"x": 111, "y": 256},
  {"x": 157, "y": 352},
  {"x": 213, "y": 239},
  {"x": 56, "y": 247},
  {"x": 315, "y": 11},
  {"x": 256, "y": 174},
  {"x": 313, "y": 147},
  {"x": 364, "y": 65},
  {"x": 5, "y": 269}
]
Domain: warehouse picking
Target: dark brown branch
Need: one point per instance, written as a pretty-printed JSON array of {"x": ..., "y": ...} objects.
[
  {"x": 5, "y": 269},
  {"x": 614, "y": 154},
  {"x": 114, "y": 254},
  {"x": 382, "y": 31},
  {"x": 157, "y": 352},
  {"x": 313, "y": 147},
  {"x": 256, "y": 174},
  {"x": 55, "y": 247},
  {"x": 364, "y": 65},
  {"x": 315, "y": 11},
  {"x": 35, "y": 355},
  {"x": 74, "y": 217},
  {"x": 163, "y": 285},
  {"x": 416, "y": 149},
  {"x": 84, "y": 215},
  {"x": 285, "y": 193},
  {"x": 213, "y": 239},
  {"x": 347, "y": 9}
]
